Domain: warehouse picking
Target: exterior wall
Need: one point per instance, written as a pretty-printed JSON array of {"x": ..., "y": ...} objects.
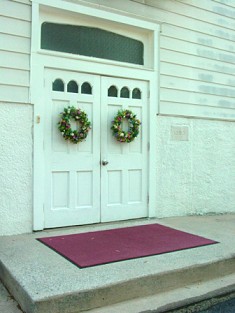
[
  {"x": 16, "y": 119},
  {"x": 197, "y": 61},
  {"x": 15, "y": 51},
  {"x": 195, "y": 176},
  {"x": 15, "y": 169},
  {"x": 197, "y": 65}
]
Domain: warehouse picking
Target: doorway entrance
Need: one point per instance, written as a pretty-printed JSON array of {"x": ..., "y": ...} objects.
[{"x": 98, "y": 179}]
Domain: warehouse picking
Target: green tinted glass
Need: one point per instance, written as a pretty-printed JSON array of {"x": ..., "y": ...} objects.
[{"x": 93, "y": 42}]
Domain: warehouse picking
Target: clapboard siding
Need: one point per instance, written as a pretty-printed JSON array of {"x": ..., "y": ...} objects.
[
  {"x": 14, "y": 94},
  {"x": 202, "y": 99},
  {"x": 217, "y": 8},
  {"x": 18, "y": 28},
  {"x": 196, "y": 11},
  {"x": 197, "y": 62},
  {"x": 198, "y": 74},
  {"x": 229, "y": 3},
  {"x": 14, "y": 60},
  {"x": 196, "y": 56},
  {"x": 15, "y": 21},
  {"x": 196, "y": 86},
  {"x": 197, "y": 37},
  {"x": 15, "y": 43},
  {"x": 14, "y": 77},
  {"x": 196, "y": 49},
  {"x": 199, "y": 90},
  {"x": 16, "y": 10}
]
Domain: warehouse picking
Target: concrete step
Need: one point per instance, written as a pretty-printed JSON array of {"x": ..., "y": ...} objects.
[
  {"x": 194, "y": 295},
  {"x": 44, "y": 282}
]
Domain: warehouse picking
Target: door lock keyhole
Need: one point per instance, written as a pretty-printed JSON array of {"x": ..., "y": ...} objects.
[{"x": 105, "y": 162}]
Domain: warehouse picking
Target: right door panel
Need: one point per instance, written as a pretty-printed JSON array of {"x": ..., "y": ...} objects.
[{"x": 124, "y": 179}]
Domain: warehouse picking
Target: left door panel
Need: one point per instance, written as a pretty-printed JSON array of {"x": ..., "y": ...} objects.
[{"x": 72, "y": 171}]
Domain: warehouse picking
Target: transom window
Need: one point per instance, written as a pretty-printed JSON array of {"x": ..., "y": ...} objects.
[{"x": 91, "y": 42}]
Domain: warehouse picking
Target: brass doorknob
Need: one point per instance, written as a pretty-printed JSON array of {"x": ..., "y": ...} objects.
[{"x": 105, "y": 162}]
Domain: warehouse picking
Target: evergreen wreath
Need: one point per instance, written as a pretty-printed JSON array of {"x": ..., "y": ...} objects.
[
  {"x": 79, "y": 116},
  {"x": 133, "y": 126}
]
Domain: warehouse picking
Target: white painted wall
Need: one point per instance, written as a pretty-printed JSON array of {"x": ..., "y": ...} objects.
[
  {"x": 197, "y": 66},
  {"x": 195, "y": 176},
  {"x": 15, "y": 168}
]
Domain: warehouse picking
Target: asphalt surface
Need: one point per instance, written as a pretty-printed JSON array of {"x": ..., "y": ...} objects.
[
  {"x": 222, "y": 304},
  {"x": 224, "y": 307}
]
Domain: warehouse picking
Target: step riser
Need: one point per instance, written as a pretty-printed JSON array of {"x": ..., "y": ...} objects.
[
  {"x": 141, "y": 287},
  {"x": 16, "y": 290}
]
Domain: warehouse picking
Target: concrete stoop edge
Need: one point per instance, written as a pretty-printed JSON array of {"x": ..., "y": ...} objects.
[
  {"x": 154, "y": 287},
  {"x": 191, "y": 298}
]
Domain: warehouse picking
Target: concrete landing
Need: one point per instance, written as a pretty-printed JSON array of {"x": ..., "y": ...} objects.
[{"x": 44, "y": 282}]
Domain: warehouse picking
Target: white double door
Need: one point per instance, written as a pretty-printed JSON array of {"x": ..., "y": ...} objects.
[{"x": 99, "y": 179}]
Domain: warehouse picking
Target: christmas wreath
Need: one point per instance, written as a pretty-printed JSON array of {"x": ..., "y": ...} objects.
[
  {"x": 133, "y": 126},
  {"x": 79, "y": 116}
]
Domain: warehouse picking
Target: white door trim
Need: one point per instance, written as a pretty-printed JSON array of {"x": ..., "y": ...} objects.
[{"x": 40, "y": 61}]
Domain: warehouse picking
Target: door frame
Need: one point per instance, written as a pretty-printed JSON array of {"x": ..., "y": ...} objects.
[{"x": 41, "y": 60}]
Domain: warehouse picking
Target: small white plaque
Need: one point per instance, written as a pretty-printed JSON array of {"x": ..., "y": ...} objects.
[{"x": 179, "y": 132}]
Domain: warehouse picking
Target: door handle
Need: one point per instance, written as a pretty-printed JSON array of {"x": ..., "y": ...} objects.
[{"x": 105, "y": 162}]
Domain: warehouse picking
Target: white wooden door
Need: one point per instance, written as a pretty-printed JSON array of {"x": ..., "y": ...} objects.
[
  {"x": 124, "y": 180},
  {"x": 72, "y": 179},
  {"x": 78, "y": 188}
]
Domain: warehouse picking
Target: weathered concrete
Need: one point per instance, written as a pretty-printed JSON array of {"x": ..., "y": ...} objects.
[
  {"x": 42, "y": 281},
  {"x": 7, "y": 303}
]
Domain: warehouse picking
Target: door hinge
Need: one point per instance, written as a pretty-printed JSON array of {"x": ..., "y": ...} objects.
[
  {"x": 147, "y": 199},
  {"x": 148, "y": 146},
  {"x": 149, "y": 94}
]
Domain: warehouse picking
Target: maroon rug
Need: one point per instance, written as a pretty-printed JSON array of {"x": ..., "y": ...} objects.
[{"x": 100, "y": 247}]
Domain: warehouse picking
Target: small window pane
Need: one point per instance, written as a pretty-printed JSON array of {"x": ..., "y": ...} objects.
[
  {"x": 136, "y": 93},
  {"x": 91, "y": 42},
  {"x": 58, "y": 85},
  {"x": 86, "y": 88},
  {"x": 72, "y": 87},
  {"x": 112, "y": 92},
  {"x": 125, "y": 93}
]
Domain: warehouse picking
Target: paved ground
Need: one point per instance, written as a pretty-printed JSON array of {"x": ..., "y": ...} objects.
[
  {"x": 225, "y": 307},
  {"x": 222, "y": 304},
  {"x": 7, "y": 303}
]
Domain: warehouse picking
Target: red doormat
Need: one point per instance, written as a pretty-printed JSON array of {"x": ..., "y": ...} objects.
[{"x": 101, "y": 247}]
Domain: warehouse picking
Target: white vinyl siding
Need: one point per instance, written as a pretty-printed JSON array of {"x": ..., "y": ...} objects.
[
  {"x": 15, "y": 21},
  {"x": 197, "y": 60}
]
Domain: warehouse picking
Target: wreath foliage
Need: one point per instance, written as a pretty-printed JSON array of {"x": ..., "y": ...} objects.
[
  {"x": 79, "y": 116},
  {"x": 133, "y": 126}
]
